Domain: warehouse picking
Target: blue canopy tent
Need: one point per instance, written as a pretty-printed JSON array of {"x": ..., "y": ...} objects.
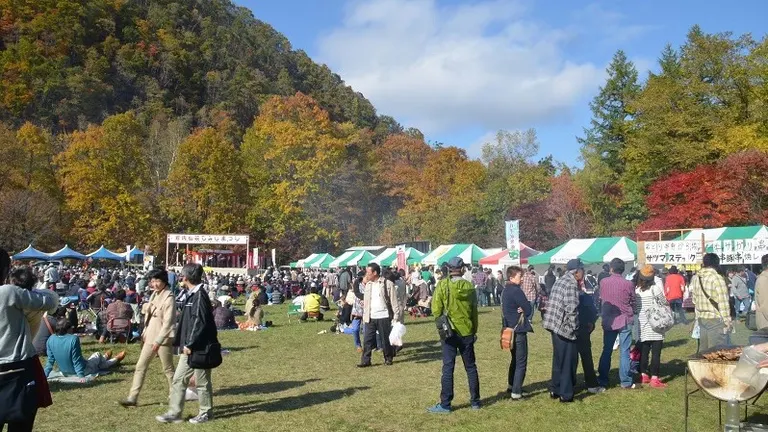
[
  {"x": 133, "y": 253},
  {"x": 106, "y": 254},
  {"x": 31, "y": 253},
  {"x": 66, "y": 253}
]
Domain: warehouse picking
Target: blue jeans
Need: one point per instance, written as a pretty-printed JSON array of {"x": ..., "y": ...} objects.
[
  {"x": 481, "y": 299},
  {"x": 747, "y": 302},
  {"x": 354, "y": 330},
  {"x": 465, "y": 346},
  {"x": 625, "y": 344},
  {"x": 677, "y": 308}
]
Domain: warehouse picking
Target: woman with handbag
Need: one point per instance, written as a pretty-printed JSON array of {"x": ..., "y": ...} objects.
[
  {"x": 159, "y": 320},
  {"x": 515, "y": 328},
  {"x": 648, "y": 296}
]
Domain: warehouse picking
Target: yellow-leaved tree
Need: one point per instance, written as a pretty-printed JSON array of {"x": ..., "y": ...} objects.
[
  {"x": 291, "y": 154},
  {"x": 204, "y": 188},
  {"x": 105, "y": 181}
]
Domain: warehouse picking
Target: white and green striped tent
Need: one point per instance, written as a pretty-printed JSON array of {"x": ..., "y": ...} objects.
[
  {"x": 590, "y": 251},
  {"x": 342, "y": 258},
  {"x": 728, "y": 233},
  {"x": 470, "y": 253},
  {"x": 388, "y": 258},
  {"x": 302, "y": 262},
  {"x": 322, "y": 261},
  {"x": 354, "y": 259}
]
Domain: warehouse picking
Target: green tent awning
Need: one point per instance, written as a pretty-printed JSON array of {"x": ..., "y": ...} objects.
[
  {"x": 322, "y": 261},
  {"x": 590, "y": 251},
  {"x": 388, "y": 258},
  {"x": 470, "y": 253},
  {"x": 728, "y": 233}
]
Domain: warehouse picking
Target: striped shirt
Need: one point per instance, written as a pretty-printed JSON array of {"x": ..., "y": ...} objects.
[
  {"x": 716, "y": 288},
  {"x": 644, "y": 300}
]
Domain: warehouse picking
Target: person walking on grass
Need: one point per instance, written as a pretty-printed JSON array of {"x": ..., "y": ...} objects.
[
  {"x": 562, "y": 321},
  {"x": 381, "y": 309},
  {"x": 456, "y": 298},
  {"x": 516, "y": 308},
  {"x": 617, "y": 297},
  {"x": 159, "y": 318},
  {"x": 195, "y": 331}
]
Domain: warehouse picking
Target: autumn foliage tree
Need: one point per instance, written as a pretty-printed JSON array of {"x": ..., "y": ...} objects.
[
  {"x": 105, "y": 180},
  {"x": 204, "y": 191},
  {"x": 731, "y": 192},
  {"x": 291, "y": 154}
]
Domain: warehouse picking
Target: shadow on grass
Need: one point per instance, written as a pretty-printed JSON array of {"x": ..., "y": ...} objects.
[
  {"x": 63, "y": 386},
  {"x": 240, "y": 348},
  {"x": 420, "y": 352},
  {"x": 289, "y": 403},
  {"x": 262, "y": 388}
]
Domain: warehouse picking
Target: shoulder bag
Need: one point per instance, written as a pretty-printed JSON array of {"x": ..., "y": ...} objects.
[
  {"x": 442, "y": 322},
  {"x": 507, "y": 339},
  {"x": 659, "y": 314}
]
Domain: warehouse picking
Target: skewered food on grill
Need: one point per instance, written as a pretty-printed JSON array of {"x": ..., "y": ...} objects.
[{"x": 726, "y": 354}]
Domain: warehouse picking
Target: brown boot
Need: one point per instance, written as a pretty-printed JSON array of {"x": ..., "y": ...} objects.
[
  {"x": 108, "y": 354},
  {"x": 120, "y": 356}
]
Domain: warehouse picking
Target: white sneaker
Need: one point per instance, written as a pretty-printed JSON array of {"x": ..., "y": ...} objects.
[
  {"x": 201, "y": 418},
  {"x": 191, "y": 395},
  {"x": 596, "y": 390},
  {"x": 516, "y": 396}
]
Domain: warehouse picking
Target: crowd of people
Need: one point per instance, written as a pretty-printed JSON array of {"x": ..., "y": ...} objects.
[{"x": 181, "y": 314}]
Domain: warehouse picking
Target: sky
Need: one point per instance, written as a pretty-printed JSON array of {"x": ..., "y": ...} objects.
[{"x": 461, "y": 70}]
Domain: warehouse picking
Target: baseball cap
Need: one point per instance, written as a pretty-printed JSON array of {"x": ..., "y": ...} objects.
[
  {"x": 455, "y": 262},
  {"x": 575, "y": 264}
]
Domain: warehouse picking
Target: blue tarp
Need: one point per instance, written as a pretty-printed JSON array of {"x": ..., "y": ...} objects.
[
  {"x": 31, "y": 253},
  {"x": 66, "y": 253},
  {"x": 106, "y": 254}
]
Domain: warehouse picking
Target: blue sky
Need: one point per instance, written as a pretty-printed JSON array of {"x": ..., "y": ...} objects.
[{"x": 460, "y": 70}]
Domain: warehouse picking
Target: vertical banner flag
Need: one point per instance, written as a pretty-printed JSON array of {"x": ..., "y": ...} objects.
[
  {"x": 256, "y": 258},
  {"x": 513, "y": 239},
  {"x": 401, "y": 260},
  {"x": 274, "y": 258}
]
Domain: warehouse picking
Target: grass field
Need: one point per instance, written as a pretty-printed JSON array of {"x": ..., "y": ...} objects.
[{"x": 290, "y": 378}]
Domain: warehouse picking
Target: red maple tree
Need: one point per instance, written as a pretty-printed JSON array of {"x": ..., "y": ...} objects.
[{"x": 731, "y": 192}]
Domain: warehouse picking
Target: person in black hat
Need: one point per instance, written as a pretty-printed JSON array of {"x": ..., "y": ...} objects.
[
  {"x": 456, "y": 298},
  {"x": 562, "y": 321}
]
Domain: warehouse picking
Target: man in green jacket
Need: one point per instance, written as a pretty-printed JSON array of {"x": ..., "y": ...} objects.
[{"x": 455, "y": 297}]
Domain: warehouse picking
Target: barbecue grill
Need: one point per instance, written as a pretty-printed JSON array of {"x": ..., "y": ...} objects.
[{"x": 715, "y": 379}]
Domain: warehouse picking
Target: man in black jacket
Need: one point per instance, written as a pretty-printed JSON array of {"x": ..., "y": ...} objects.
[{"x": 196, "y": 330}]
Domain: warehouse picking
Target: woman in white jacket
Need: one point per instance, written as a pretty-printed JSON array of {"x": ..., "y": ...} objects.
[{"x": 650, "y": 342}]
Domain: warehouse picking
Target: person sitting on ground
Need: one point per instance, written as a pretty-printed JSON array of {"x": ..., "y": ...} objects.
[
  {"x": 119, "y": 314},
  {"x": 254, "y": 316},
  {"x": 46, "y": 330},
  {"x": 224, "y": 298},
  {"x": 223, "y": 317},
  {"x": 64, "y": 349},
  {"x": 277, "y": 296},
  {"x": 312, "y": 305}
]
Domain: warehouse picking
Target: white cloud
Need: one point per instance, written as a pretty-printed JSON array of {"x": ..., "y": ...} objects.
[{"x": 485, "y": 65}]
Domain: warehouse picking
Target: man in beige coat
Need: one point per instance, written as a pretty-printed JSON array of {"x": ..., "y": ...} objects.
[
  {"x": 159, "y": 320},
  {"x": 761, "y": 305},
  {"x": 381, "y": 309}
]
